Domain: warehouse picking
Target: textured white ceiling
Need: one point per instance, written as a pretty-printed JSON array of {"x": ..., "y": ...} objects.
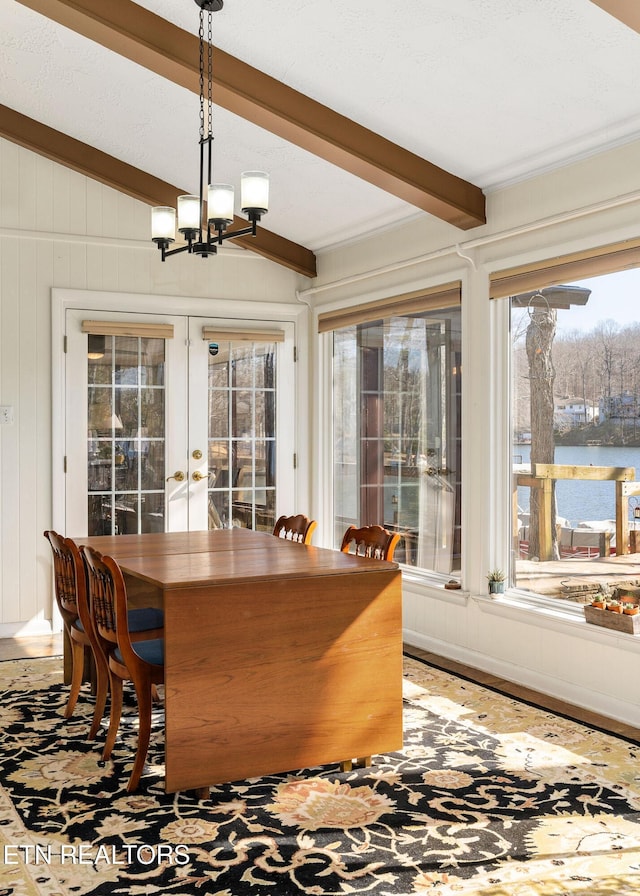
[{"x": 491, "y": 90}]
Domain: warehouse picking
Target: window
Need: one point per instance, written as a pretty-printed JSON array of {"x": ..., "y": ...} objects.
[
  {"x": 396, "y": 426},
  {"x": 576, "y": 435}
]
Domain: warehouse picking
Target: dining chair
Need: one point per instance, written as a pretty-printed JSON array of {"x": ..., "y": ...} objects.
[
  {"x": 71, "y": 596},
  {"x": 370, "y": 541},
  {"x": 141, "y": 662},
  {"x": 295, "y": 528},
  {"x": 377, "y": 543}
]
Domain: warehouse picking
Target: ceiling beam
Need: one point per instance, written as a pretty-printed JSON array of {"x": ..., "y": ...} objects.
[
  {"x": 627, "y": 11},
  {"x": 123, "y": 177},
  {"x": 151, "y": 41}
]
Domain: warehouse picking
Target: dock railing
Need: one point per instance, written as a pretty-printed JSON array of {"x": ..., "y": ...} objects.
[{"x": 541, "y": 478}]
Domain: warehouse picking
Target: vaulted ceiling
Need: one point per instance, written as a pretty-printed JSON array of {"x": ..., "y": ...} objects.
[{"x": 365, "y": 114}]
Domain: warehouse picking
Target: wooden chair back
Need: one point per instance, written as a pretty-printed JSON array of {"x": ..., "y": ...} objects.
[
  {"x": 370, "y": 541},
  {"x": 108, "y": 602},
  {"x": 295, "y": 528},
  {"x": 64, "y": 574},
  {"x": 102, "y": 597},
  {"x": 71, "y": 553}
]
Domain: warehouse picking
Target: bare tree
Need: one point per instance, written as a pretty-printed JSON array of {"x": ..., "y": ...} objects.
[
  {"x": 574, "y": 355},
  {"x": 539, "y": 342},
  {"x": 605, "y": 334}
]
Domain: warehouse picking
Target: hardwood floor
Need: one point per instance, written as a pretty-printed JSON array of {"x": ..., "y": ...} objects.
[
  {"x": 51, "y": 645},
  {"x": 531, "y": 696},
  {"x": 28, "y": 648}
]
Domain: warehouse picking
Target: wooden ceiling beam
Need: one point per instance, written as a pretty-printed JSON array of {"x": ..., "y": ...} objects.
[
  {"x": 151, "y": 41},
  {"x": 120, "y": 176},
  {"x": 627, "y": 11}
]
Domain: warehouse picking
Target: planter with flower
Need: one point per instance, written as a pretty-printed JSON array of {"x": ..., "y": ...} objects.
[
  {"x": 614, "y": 611},
  {"x": 496, "y": 581}
]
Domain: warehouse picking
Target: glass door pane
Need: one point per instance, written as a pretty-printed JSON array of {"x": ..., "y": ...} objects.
[
  {"x": 242, "y": 436},
  {"x": 241, "y": 400},
  {"x": 126, "y": 436},
  {"x": 125, "y": 427}
]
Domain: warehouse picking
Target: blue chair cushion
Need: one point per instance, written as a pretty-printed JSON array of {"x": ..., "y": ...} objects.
[
  {"x": 150, "y": 651},
  {"x": 144, "y": 619},
  {"x": 77, "y": 623}
]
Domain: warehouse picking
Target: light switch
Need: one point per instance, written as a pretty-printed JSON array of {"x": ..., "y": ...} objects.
[{"x": 6, "y": 413}]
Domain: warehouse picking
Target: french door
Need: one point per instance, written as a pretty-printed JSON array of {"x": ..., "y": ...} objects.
[{"x": 176, "y": 423}]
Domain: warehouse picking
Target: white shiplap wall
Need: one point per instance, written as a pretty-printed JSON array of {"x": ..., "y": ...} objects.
[{"x": 58, "y": 229}]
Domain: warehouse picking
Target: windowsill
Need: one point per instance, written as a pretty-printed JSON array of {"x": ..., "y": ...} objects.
[
  {"x": 520, "y": 606},
  {"x": 523, "y": 607},
  {"x": 553, "y": 606},
  {"x": 435, "y": 583}
]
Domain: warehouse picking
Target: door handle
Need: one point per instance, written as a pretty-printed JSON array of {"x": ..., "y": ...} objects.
[
  {"x": 178, "y": 476},
  {"x": 197, "y": 476}
]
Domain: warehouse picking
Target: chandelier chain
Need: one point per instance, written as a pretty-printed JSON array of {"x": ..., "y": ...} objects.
[
  {"x": 201, "y": 38},
  {"x": 210, "y": 72}
]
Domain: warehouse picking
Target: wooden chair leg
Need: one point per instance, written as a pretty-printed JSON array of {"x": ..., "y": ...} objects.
[
  {"x": 114, "y": 716},
  {"x": 143, "y": 693},
  {"x": 77, "y": 652},
  {"x": 102, "y": 689}
]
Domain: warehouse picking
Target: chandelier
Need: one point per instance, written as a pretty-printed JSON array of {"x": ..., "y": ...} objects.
[{"x": 254, "y": 190}]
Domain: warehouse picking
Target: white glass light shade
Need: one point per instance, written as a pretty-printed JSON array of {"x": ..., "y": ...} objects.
[
  {"x": 220, "y": 203},
  {"x": 188, "y": 213},
  {"x": 254, "y": 191},
  {"x": 163, "y": 223}
]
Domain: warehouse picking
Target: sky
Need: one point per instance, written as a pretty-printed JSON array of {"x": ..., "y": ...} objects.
[{"x": 614, "y": 297}]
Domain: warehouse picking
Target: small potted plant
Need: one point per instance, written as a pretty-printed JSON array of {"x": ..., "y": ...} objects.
[
  {"x": 614, "y": 606},
  {"x": 630, "y": 609},
  {"x": 496, "y": 581},
  {"x": 599, "y": 601}
]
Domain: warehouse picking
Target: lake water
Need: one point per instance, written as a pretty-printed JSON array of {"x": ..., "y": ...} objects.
[{"x": 577, "y": 500}]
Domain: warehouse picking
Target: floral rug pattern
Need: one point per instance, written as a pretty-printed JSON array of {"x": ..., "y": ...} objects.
[{"x": 488, "y": 796}]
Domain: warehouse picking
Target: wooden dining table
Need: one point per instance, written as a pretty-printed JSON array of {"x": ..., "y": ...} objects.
[{"x": 278, "y": 656}]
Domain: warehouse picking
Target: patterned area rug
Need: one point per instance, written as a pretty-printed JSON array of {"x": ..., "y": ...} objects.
[{"x": 489, "y": 796}]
